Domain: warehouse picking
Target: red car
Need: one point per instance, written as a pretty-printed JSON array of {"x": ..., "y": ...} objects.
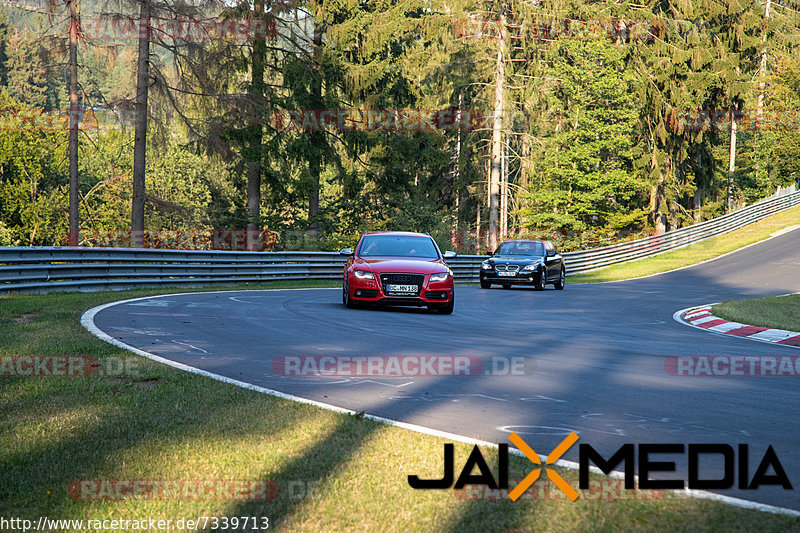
[{"x": 398, "y": 268}]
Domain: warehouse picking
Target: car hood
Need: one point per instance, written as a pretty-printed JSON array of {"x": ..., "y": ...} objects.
[
  {"x": 516, "y": 260},
  {"x": 394, "y": 264}
]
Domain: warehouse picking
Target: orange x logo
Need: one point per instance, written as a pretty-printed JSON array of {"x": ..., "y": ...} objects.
[{"x": 554, "y": 456}]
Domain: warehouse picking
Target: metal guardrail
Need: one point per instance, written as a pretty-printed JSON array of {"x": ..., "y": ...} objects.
[{"x": 41, "y": 269}]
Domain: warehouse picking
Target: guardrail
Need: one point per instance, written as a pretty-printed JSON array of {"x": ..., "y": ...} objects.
[{"x": 41, "y": 269}]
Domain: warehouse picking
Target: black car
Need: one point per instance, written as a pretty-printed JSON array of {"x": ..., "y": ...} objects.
[{"x": 523, "y": 262}]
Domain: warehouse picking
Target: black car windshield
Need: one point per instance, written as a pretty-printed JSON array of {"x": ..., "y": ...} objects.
[
  {"x": 398, "y": 246},
  {"x": 526, "y": 248}
]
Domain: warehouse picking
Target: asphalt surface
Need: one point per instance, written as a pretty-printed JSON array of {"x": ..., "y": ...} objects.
[{"x": 593, "y": 359}]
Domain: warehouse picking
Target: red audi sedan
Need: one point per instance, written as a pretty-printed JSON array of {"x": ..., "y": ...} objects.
[{"x": 398, "y": 268}]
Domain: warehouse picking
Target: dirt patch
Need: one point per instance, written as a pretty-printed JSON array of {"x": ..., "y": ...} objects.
[
  {"x": 25, "y": 318},
  {"x": 149, "y": 383}
]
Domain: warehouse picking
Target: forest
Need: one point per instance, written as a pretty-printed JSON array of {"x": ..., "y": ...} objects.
[{"x": 302, "y": 124}]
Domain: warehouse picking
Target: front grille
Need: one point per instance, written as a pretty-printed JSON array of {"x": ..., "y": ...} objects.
[
  {"x": 509, "y": 268},
  {"x": 402, "y": 279},
  {"x": 436, "y": 295}
]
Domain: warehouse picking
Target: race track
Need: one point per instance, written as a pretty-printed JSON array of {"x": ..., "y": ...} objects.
[{"x": 594, "y": 358}]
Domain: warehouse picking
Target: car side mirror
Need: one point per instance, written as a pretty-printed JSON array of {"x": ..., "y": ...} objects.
[
  {"x": 449, "y": 254},
  {"x": 490, "y": 253},
  {"x": 346, "y": 251},
  {"x": 551, "y": 253}
]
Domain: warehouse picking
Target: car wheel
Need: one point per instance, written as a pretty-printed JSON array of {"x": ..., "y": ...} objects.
[
  {"x": 562, "y": 280},
  {"x": 447, "y": 309},
  {"x": 485, "y": 284},
  {"x": 542, "y": 281},
  {"x": 346, "y": 299}
]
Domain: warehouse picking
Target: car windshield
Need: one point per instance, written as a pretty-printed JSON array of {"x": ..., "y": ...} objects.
[
  {"x": 398, "y": 246},
  {"x": 521, "y": 248}
]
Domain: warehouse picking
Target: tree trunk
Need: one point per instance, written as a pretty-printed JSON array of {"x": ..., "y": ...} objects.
[
  {"x": 497, "y": 140},
  {"x": 478, "y": 229},
  {"x": 762, "y": 71},
  {"x": 459, "y": 199},
  {"x": 316, "y": 137},
  {"x": 656, "y": 192},
  {"x": 504, "y": 194},
  {"x": 255, "y": 137},
  {"x": 73, "y": 125},
  {"x": 697, "y": 215},
  {"x": 673, "y": 213},
  {"x": 140, "y": 127},
  {"x": 732, "y": 157}
]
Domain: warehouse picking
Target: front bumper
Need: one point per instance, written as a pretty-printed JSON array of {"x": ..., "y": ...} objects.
[
  {"x": 527, "y": 277},
  {"x": 431, "y": 292}
]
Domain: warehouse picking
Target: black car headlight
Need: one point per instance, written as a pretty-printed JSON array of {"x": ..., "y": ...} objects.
[
  {"x": 534, "y": 266},
  {"x": 486, "y": 266}
]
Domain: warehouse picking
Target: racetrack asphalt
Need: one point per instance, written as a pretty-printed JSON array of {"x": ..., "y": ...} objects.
[{"x": 594, "y": 359}]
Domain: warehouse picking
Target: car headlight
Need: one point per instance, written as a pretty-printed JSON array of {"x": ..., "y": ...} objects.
[
  {"x": 531, "y": 267},
  {"x": 486, "y": 266},
  {"x": 363, "y": 274},
  {"x": 440, "y": 276}
]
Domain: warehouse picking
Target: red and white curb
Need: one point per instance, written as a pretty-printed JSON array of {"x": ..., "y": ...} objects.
[{"x": 702, "y": 318}]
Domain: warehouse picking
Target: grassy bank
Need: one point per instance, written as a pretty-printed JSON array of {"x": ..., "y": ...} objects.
[{"x": 781, "y": 312}]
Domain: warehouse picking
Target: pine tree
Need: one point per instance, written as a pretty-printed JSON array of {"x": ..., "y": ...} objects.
[
  {"x": 4, "y": 34},
  {"x": 27, "y": 81}
]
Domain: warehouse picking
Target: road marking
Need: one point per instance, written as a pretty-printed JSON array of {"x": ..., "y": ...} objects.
[
  {"x": 159, "y": 314},
  {"x": 146, "y": 303},
  {"x": 189, "y": 345},
  {"x": 379, "y": 383},
  {"x": 539, "y": 398}
]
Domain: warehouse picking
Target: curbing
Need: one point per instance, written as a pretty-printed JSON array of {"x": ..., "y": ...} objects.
[{"x": 700, "y": 317}]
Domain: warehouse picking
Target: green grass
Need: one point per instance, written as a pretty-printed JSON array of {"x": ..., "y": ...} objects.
[
  {"x": 158, "y": 423},
  {"x": 695, "y": 253},
  {"x": 781, "y": 312}
]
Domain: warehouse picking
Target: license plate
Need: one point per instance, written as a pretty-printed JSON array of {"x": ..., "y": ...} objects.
[
  {"x": 402, "y": 288},
  {"x": 506, "y": 273}
]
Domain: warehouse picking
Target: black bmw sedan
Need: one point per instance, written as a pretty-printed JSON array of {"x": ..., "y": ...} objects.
[{"x": 522, "y": 262}]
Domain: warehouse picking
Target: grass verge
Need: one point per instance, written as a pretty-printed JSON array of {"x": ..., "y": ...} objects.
[
  {"x": 690, "y": 255},
  {"x": 780, "y": 312},
  {"x": 334, "y": 472}
]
